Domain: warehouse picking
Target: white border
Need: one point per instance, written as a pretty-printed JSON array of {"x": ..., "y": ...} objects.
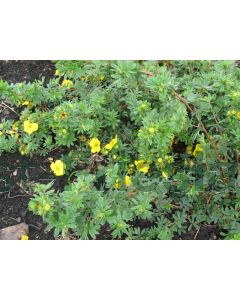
[
  {"x": 107, "y": 29},
  {"x": 125, "y": 29},
  {"x": 119, "y": 270}
]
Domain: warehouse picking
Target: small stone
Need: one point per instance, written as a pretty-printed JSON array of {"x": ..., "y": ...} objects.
[
  {"x": 14, "y": 232},
  {"x": 15, "y": 173}
]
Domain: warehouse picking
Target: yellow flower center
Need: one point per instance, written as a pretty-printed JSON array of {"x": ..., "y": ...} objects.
[
  {"x": 47, "y": 207},
  {"x": 151, "y": 130}
]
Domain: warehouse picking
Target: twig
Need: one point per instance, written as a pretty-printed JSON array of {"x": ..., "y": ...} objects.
[
  {"x": 149, "y": 74},
  {"x": 11, "y": 197},
  {"x": 19, "y": 185},
  {"x": 184, "y": 101},
  {"x": 3, "y": 104},
  {"x": 195, "y": 236},
  {"x": 34, "y": 226}
]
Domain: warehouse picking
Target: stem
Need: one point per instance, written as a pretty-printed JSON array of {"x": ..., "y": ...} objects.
[
  {"x": 184, "y": 101},
  {"x": 4, "y": 105}
]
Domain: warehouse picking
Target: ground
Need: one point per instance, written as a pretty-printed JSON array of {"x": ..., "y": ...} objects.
[
  {"x": 18, "y": 174},
  {"x": 15, "y": 170}
]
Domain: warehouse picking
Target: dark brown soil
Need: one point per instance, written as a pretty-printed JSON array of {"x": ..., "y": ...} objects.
[
  {"x": 16, "y": 172},
  {"x": 206, "y": 232},
  {"x": 26, "y": 70},
  {"x": 18, "y": 175}
]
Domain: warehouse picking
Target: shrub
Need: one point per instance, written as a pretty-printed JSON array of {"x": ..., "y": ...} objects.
[{"x": 152, "y": 146}]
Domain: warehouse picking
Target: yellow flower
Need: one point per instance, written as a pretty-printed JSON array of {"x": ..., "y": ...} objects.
[
  {"x": 95, "y": 145},
  {"x": 165, "y": 175},
  {"x": 197, "y": 150},
  {"x": 114, "y": 156},
  {"x": 151, "y": 130},
  {"x": 30, "y": 127},
  {"x": 104, "y": 151},
  {"x": 63, "y": 115},
  {"x": 27, "y": 103},
  {"x": 57, "y": 73},
  {"x": 160, "y": 162},
  {"x": 128, "y": 181},
  {"x": 169, "y": 159},
  {"x": 83, "y": 138},
  {"x": 238, "y": 115},
  {"x": 23, "y": 149},
  {"x": 67, "y": 83},
  {"x": 117, "y": 184},
  {"x": 235, "y": 94},
  {"x": 24, "y": 238},
  {"x": 144, "y": 106},
  {"x": 58, "y": 167},
  {"x": 14, "y": 131},
  {"x": 11, "y": 132},
  {"x": 47, "y": 207},
  {"x": 231, "y": 112},
  {"x": 189, "y": 149},
  {"x": 102, "y": 78},
  {"x": 142, "y": 166},
  {"x": 130, "y": 169},
  {"x": 112, "y": 143}
]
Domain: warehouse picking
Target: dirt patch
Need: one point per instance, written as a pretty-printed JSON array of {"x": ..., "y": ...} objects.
[
  {"x": 205, "y": 232},
  {"x": 17, "y": 173},
  {"x": 26, "y": 70}
]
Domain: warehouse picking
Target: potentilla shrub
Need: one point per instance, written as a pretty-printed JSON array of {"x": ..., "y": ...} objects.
[{"x": 150, "y": 148}]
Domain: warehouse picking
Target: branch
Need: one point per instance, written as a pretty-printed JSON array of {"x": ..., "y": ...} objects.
[
  {"x": 184, "y": 101},
  {"x": 4, "y": 105}
]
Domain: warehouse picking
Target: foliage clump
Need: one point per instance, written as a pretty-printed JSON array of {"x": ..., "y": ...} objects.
[{"x": 151, "y": 147}]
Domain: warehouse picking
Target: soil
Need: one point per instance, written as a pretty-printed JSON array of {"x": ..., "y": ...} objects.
[
  {"x": 26, "y": 70},
  {"x": 18, "y": 174}
]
